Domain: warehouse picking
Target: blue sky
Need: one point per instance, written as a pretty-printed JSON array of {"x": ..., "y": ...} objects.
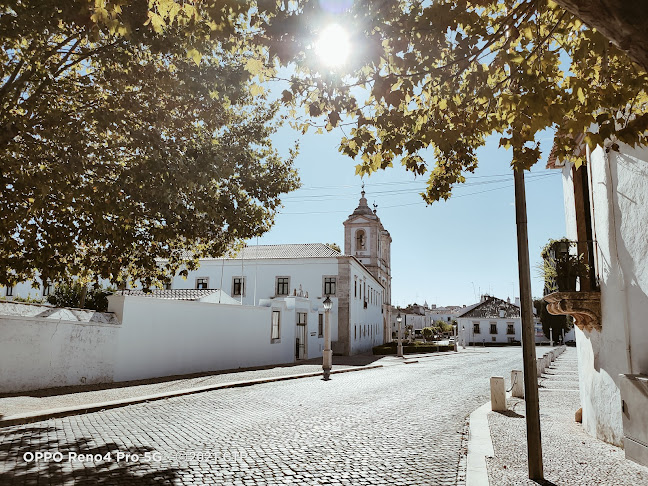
[{"x": 446, "y": 253}]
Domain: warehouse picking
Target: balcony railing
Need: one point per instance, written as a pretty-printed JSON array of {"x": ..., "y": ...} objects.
[{"x": 569, "y": 266}]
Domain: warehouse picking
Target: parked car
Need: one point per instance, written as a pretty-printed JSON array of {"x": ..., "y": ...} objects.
[{"x": 571, "y": 342}]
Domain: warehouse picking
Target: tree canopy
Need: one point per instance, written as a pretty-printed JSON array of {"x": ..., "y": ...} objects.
[
  {"x": 428, "y": 82},
  {"x": 131, "y": 132}
]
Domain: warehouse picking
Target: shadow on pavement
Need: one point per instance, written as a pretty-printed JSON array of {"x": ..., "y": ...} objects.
[
  {"x": 510, "y": 413},
  {"x": 17, "y": 447}
]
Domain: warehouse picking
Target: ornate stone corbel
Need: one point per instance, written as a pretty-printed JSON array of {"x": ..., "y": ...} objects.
[{"x": 584, "y": 307}]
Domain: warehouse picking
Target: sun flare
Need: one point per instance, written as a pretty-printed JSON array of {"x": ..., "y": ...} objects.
[{"x": 333, "y": 46}]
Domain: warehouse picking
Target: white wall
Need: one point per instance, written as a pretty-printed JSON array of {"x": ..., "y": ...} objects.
[
  {"x": 366, "y": 324},
  {"x": 465, "y": 330},
  {"x": 162, "y": 337},
  {"x": 619, "y": 206},
  {"x": 308, "y": 273},
  {"x": 261, "y": 274},
  {"x": 42, "y": 347},
  {"x": 290, "y": 307}
]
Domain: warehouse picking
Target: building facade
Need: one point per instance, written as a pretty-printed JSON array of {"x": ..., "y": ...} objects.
[
  {"x": 491, "y": 321},
  {"x": 358, "y": 283},
  {"x": 606, "y": 209}
]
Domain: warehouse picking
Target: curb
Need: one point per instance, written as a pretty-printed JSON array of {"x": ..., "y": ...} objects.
[
  {"x": 480, "y": 446},
  {"x": 96, "y": 407}
]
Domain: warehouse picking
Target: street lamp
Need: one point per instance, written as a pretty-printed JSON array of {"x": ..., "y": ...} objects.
[
  {"x": 454, "y": 333},
  {"x": 463, "y": 336},
  {"x": 327, "y": 356},
  {"x": 399, "y": 319}
]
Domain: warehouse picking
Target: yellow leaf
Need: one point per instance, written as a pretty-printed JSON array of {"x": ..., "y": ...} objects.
[
  {"x": 581, "y": 95},
  {"x": 256, "y": 90},
  {"x": 195, "y": 55},
  {"x": 254, "y": 66}
]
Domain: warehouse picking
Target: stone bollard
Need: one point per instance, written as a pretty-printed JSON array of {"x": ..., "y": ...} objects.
[
  {"x": 540, "y": 366},
  {"x": 552, "y": 356},
  {"x": 498, "y": 394},
  {"x": 517, "y": 384},
  {"x": 547, "y": 362}
]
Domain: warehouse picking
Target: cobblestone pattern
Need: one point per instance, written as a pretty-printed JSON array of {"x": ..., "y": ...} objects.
[
  {"x": 571, "y": 457},
  {"x": 25, "y": 402},
  {"x": 398, "y": 425}
]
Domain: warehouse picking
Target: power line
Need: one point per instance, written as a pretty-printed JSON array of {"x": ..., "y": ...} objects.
[
  {"x": 372, "y": 184},
  {"x": 419, "y": 202},
  {"x": 395, "y": 192}
]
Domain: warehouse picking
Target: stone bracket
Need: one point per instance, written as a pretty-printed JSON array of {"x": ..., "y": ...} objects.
[{"x": 584, "y": 307}]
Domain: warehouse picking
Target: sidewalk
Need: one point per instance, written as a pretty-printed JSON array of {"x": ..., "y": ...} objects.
[
  {"x": 570, "y": 455},
  {"x": 25, "y": 407}
]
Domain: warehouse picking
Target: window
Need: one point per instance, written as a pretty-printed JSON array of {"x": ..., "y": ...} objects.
[
  {"x": 202, "y": 283},
  {"x": 301, "y": 318},
  {"x": 283, "y": 283},
  {"x": 361, "y": 240},
  {"x": 9, "y": 291},
  {"x": 274, "y": 335},
  {"x": 355, "y": 331},
  {"x": 47, "y": 288},
  {"x": 329, "y": 285},
  {"x": 238, "y": 286},
  {"x": 475, "y": 327},
  {"x": 494, "y": 339},
  {"x": 493, "y": 328},
  {"x": 509, "y": 328},
  {"x": 355, "y": 288},
  {"x": 320, "y": 325}
]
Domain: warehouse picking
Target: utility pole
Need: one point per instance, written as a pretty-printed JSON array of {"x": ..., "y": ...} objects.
[{"x": 534, "y": 441}]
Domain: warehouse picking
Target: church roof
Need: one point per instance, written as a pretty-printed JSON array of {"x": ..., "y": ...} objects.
[
  {"x": 489, "y": 309},
  {"x": 363, "y": 208},
  {"x": 305, "y": 250}
]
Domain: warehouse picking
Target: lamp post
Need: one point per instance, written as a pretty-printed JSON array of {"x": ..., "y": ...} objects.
[
  {"x": 327, "y": 356},
  {"x": 399, "y": 319},
  {"x": 454, "y": 333}
]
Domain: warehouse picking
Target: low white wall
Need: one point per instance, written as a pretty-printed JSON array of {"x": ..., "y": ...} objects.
[
  {"x": 43, "y": 347},
  {"x": 165, "y": 337}
]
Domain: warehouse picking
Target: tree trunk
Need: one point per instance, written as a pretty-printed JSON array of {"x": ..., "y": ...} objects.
[{"x": 624, "y": 22}]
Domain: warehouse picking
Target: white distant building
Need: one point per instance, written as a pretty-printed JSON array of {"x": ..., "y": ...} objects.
[{"x": 491, "y": 320}]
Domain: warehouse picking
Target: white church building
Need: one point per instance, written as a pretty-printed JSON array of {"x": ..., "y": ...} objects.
[{"x": 294, "y": 279}]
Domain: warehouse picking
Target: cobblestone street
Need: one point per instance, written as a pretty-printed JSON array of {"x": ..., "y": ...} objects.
[{"x": 397, "y": 425}]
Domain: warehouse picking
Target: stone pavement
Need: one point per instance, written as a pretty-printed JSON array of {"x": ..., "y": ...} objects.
[
  {"x": 395, "y": 425},
  {"x": 40, "y": 401},
  {"x": 570, "y": 455}
]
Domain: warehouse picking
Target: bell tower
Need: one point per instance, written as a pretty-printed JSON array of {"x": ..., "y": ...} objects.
[{"x": 366, "y": 239}]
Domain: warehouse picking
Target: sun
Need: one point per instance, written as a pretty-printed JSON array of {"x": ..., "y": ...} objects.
[{"x": 333, "y": 46}]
